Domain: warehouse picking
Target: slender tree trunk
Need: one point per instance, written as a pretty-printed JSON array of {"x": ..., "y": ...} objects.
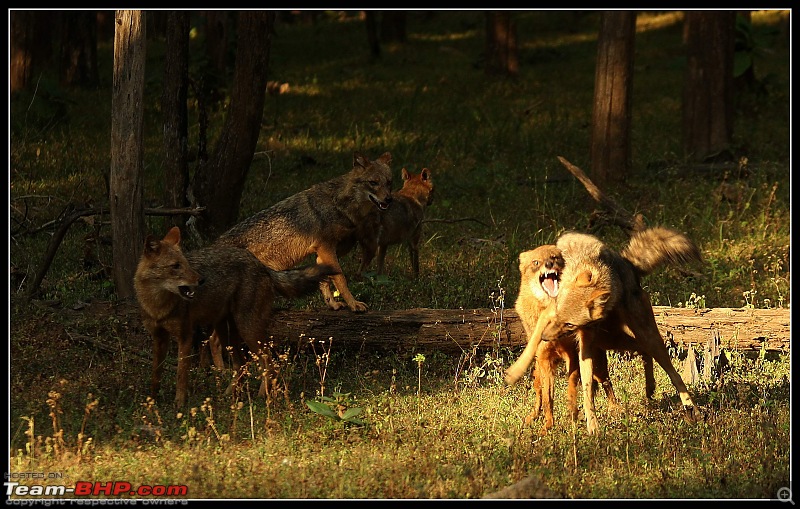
[
  {"x": 79, "y": 49},
  {"x": 708, "y": 89},
  {"x": 173, "y": 105},
  {"x": 219, "y": 182},
  {"x": 125, "y": 193},
  {"x": 502, "y": 53},
  {"x": 613, "y": 82},
  {"x": 217, "y": 28},
  {"x": 371, "y": 22}
]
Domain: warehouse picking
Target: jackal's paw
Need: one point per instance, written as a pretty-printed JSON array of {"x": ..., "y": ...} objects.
[
  {"x": 537, "y": 410},
  {"x": 512, "y": 376},
  {"x": 334, "y": 305},
  {"x": 358, "y": 307},
  {"x": 692, "y": 414},
  {"x": 592, "y": 427}
]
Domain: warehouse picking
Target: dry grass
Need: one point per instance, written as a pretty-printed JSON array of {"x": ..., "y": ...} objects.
[{"x": 445, "y": 427}]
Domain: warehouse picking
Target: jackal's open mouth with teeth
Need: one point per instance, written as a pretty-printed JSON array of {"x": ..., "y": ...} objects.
[
  {"x": 187, "y": 292},
  {"x": 383, "y": 205},
  {"x": 549, "y": 281}
]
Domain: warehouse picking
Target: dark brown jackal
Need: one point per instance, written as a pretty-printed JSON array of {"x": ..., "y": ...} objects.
[
  {"x": 223, "y": 288},
  {"x": 316, "y": 221}
]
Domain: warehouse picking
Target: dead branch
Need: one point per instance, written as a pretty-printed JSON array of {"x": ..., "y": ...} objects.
[
  {"x": 66, "y": 222},
  {"x": 613, "y": 213}
]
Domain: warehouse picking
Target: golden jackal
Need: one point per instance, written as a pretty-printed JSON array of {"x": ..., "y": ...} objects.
[{"x": 601, "y": 300}]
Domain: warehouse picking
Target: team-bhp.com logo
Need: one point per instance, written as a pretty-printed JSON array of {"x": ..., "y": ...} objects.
[{"x": 95, "y": 489}]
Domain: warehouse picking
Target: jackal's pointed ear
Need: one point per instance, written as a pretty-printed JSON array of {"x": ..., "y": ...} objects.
[
  {"x": 385, "y": 158},
  {"x": 597, "y": 303},
  {"x": 584, "y": 278},
  {"x": 525, "y": 258},
  {"x": 360, "y": 159},
  {"x": 173, "y": 236},
  {"x": 152, "y": 245},
  {"x": 404, "y": 174},
  {"x": 426, "y": 174}
]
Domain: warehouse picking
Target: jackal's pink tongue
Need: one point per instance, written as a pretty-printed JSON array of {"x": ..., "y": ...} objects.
[{"x": 550, "y": 286}]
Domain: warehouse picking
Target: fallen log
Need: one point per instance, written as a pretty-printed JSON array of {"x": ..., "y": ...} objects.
[{"x": 462, "y": 330}]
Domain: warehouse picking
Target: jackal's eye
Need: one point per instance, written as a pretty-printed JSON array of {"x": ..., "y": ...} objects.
[
  {"x": 373, "y": 182},
  {"x": 176, "y": 265},
  {"x": 536, "y": 262},
  {"x": 570, "y": 327}
]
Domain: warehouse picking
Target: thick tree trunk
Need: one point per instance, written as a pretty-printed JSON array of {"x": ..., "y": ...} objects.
[
  {"x": 708, "y": 89},
  {"x": 173, "y": 105},
  {"x": 459, "y": 330},
  {"x": 613, "y": 84},
  {"x": 125, "y": 193},
  {"x": 220, "y": 180}
]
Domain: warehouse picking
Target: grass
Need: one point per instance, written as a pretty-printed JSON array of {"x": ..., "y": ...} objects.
[{"x": 435, "y": 426}]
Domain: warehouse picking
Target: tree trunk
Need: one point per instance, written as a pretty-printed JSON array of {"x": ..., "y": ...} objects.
[
  {"x": 461, "y": 330},
  {"x": 217, "y": 28},
  {"x": 613, "y": 82},
  {"x": 502, "y": 53},
  {"x": 21, "y": 58},
  {"x": 31, "y": 46},
  {"x": 79, "y": 49},
  {"x": 371, "y": 22},
  {"x": 220, "y": 180},
  {"x": 125, "y": 193},
  {"x": 707, "y": 99},
  {"x": 173, "y": 105}
]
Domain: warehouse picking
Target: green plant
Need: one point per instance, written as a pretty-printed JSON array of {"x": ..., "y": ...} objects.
[
  {"x": 420, "y": 360},
  {"x": 337, "y": 407}
]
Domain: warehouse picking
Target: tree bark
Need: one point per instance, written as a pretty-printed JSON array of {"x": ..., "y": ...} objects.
[
  {"x": 707, "y": 99},
  {"x": 220, "y": 180},
  {"x": 126, "y": 181},
  {"x": 502, "y": 53},
  {"x": 173, "y": 105},
  {"x": 613, "y": 82},
  {"x": 460, "y": 330}
]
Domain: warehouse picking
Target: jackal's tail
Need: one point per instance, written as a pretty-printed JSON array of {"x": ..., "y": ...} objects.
[
  {"x": 648, "y": 249},
  {"x": 301, "y": 281}
]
